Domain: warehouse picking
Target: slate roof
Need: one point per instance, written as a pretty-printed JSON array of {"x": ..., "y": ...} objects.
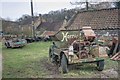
[
  {"x": 97, "y": 19},
  {"x": 50, "y": 26},
  {"x": 48, "y": 33}
]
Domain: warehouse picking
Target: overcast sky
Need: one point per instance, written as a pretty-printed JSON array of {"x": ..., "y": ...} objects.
[{"x": 14, "y": 9}]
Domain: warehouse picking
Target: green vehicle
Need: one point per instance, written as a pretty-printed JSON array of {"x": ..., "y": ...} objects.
[
  {"x": 77, "y": 47},
  {"x": 15, "y": 43}
]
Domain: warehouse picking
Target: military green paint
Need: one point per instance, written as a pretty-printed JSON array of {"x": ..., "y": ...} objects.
[
  {"x": 64, "y": 36},
  {"x": 87, "y": 60}
]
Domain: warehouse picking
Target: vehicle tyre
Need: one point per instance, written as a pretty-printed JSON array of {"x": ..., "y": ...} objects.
[
  {"x": 100, "y": 65},
  {"x": 50, "y": 54},
  {"x": 7, "y": 45},
  {"x": 64, "y": 64}
]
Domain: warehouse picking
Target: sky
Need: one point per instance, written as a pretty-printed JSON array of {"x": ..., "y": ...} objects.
[{"x": 14, "y": 9}]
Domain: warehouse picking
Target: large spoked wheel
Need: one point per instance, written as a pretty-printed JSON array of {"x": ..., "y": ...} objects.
[
  {"x": 100, "y": 65},
  {"x": 64, "y": 64}
]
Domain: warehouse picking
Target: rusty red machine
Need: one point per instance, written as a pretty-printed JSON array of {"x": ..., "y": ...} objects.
[{"x": 77, "y": 47}]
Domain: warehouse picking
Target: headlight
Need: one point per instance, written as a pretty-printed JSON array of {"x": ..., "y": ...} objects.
[{"x": 71, "y": 50}]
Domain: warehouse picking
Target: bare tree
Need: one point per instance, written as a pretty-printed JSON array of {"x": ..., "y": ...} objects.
[{"x": 93, "y": 5}]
